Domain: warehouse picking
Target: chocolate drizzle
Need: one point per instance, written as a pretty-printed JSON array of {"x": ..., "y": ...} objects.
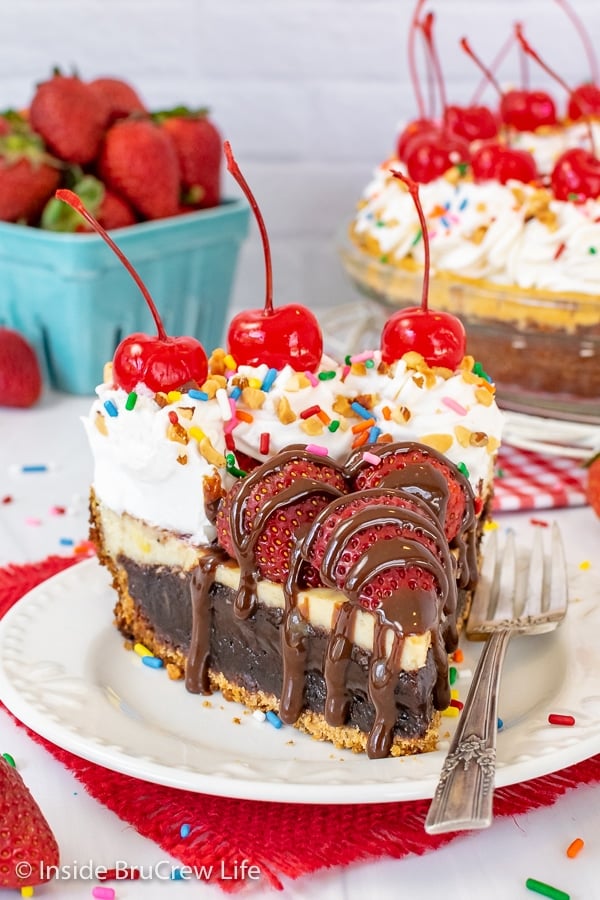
[
  {"x": 198, "y": 658},
  {"x": 245, "y": 539},
  {"x": 408, "y": 611},
  {"x": 429, "y": 483}
]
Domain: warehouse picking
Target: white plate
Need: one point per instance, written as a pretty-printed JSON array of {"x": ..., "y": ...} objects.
[{"x": 65, "y": 673}]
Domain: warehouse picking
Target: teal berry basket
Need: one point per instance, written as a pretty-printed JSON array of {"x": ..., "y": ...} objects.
[{"x": 74, "y": 301}]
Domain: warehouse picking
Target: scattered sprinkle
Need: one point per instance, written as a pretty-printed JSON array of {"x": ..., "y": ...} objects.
[
  {"x": 229, "y": 362},
  {"x": 361, "y": 411},
  {"x": 462, "y": 468},
  {"x": 372, "y": 458},
  {"x": 452, "y": 674},
  {"x": 314, "y": 381},
  {"x": 310, "y": 411},
  {"x": 541, "y": 522},
  {"x": 9, "y": 759},
  {"x": 317, "y": 449},
  {"x": 57, "y": 510},
  {"x": 153, "y": 662},
  {"x": 585, "y": 564},
  {"x": 575, "y": 847},
  {"x": 259, "y": 715},
  {"x": 111, "y": 409},
  {"x": 273, "y": 719},
  {"x": 458, "y": 656},
  {"x": 479, "y": 370},
  {"x": 31, "y": 520},
  {"x": 236, "y": 392},
  {"x": 231, "y": 466},
  {"x": 264, "y": 443},
  {"x": 490, "y": 526},
  {"x": 451, "y": 712},
  {"x": 458, "y": 704},
  {"x": 103, "y": 893},
  {"x": 66, "y": 542},
  {"x": 131, "y": 401},
  {"x": 33, "y": 468},
  {"x": 224, "y": 404},
  {"x": 268, "y": 380},
  {"x": 558, "y": 719},
  {"x": 560, "y": 250},
  {"x": 454, "y": 405},
  {"x": 361, "y": 357},
  {"x": 7, "y": 499},
  {"x": 244, "y": 416},
  {"x": 540, "y": 887},
  {"x": 27, "y": 891},
  {"x": 141, "y": 650},
  {"x": 333, "y": 426},
  {"x": 592, "y": 250},
  {"x": 185, "y": 829},
  {"x": 326, "y": 376},
  {"x": 499, "y": 724},
  {"x": 197, "y": 395}
]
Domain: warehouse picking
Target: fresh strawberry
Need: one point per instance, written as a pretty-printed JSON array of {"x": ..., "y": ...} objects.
[
  {"x": 107, "y": 207},
  {"x": 28, "y": 176},
  {"x": 364, "y": 515},
  {"x": 138, "y": 161},
  {"x": 593, "y": 484},
  {"x": 200, "y": 151},
  {"x": 395, "y": 458},
  {"x": 120, "y": 98},
  {"x": 276, "y": 540},
  {"x": 25, "y": 835},
  {"x": 70, "y": 117},
  {"x": 20, "y": 378}
]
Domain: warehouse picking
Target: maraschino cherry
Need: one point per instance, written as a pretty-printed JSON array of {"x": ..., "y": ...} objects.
[
  {"x": 161, "y": 363},
  {"x": 439, "y": 337},
  {"x": 423, "y": 124},
  {"x": 434, "y": 151},
  {"x": 576, "y": 172},
  {"x": 523, "y": 110},
  {"x": 288, "y": 335}
]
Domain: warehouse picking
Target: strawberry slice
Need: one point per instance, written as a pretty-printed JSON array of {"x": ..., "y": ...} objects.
[
  {"x": 265, "y": 512},
  {"x": 417, "y": 468},
  {"x": 382, "y": 531},
  {"x": 25, "y": 836}
]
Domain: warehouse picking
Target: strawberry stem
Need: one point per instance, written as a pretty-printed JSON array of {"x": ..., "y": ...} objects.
[
  {"x": 413, "y": 188},
  {"x": 74, "y": 201},
  {"x": 234, "y": 169}
]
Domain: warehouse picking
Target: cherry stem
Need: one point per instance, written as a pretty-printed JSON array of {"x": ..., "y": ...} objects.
[
  {"x": 522, "y": 58},
  {"x": 427, "y": 29},
  {"x": 234, "y": 169},
  {"x": 412, "y": 65},
  {"x": 75, "y": 203},
  {"x": 496, "y": 63},
  {"x": 585, "y": 39},
  {"x": 430, "y": 67},
  {"x": 531, "y": 52},
  {"x": 413, "y": 188},
  {"x": 489, "y": 75}
]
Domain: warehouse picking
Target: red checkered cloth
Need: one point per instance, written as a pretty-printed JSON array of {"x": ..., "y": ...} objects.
[{"x": 528, "y": 480}]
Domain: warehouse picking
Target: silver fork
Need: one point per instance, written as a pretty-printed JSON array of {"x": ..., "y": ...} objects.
[{"x": 509, "y": 600}]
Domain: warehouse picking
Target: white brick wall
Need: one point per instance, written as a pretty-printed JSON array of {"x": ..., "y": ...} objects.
[{"x": 309, "y": 92}]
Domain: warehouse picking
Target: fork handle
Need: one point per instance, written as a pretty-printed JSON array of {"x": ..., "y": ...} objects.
[{"x": 465, "y": 790}]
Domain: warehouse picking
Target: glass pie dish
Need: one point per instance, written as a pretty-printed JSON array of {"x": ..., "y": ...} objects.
[{"x": 542, "y": 349}]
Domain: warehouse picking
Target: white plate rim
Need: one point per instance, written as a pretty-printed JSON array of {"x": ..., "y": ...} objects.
[{"x": 282, "y": 778}]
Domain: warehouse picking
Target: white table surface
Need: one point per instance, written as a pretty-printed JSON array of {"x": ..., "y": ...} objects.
[{"x": 492, "y": 864}]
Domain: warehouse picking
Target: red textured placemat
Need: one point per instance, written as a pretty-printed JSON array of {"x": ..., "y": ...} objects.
[
  {"x": 272, "y": 836},
  {"x": 528, "y": 480}
]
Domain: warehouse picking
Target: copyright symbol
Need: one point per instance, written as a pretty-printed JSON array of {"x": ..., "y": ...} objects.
[{"x": 23, "y": 869}]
